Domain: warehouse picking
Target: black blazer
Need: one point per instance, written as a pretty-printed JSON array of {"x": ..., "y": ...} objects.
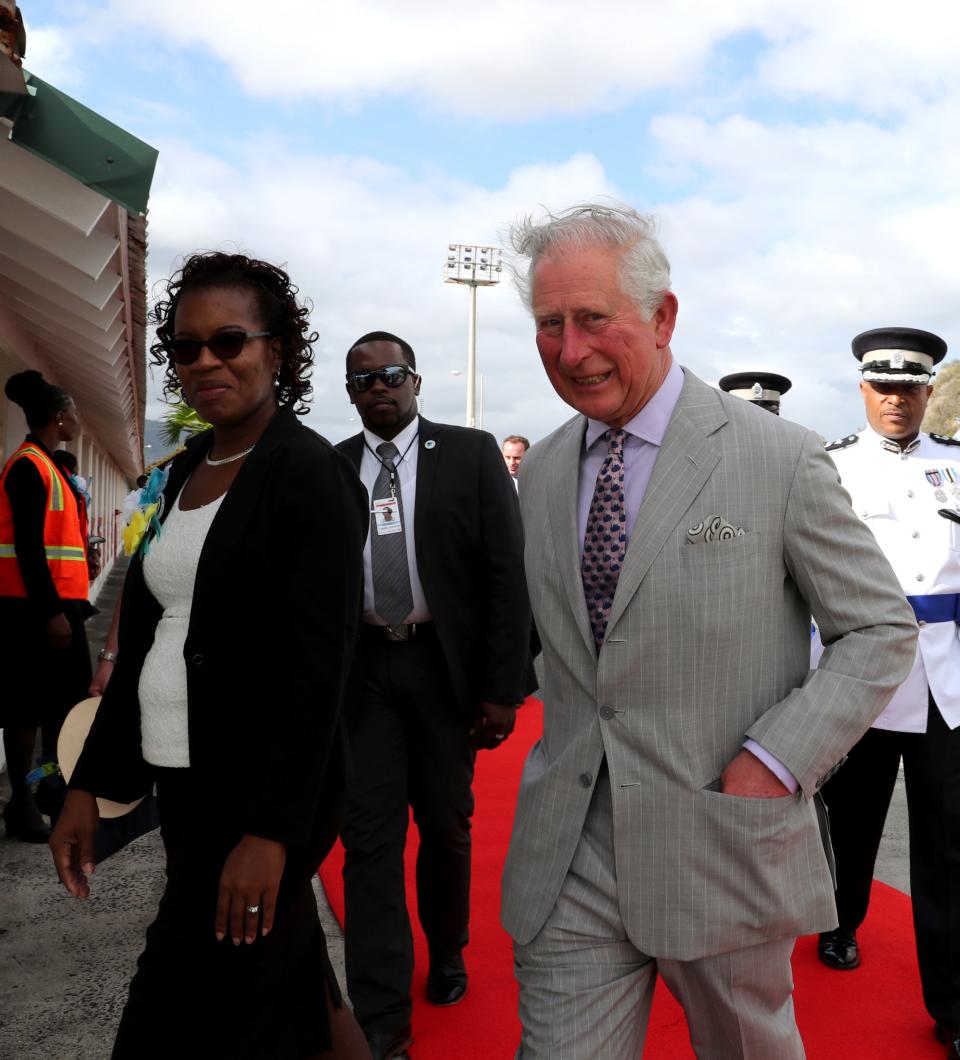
[
  {"x": 272, "y": 632},
  {"x": 469, "y": 548}
]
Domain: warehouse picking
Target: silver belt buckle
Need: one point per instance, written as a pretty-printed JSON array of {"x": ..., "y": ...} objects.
[{"x": 398, "y": 632}]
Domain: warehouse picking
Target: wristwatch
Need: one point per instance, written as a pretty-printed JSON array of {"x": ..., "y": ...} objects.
[{"x": 107, "y": 656}]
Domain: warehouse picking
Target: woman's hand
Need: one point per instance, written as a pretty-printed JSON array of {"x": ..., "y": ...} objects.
[
  {"x": 101, "y": 676},
  {"x": 59, "y": 633},
  {"x": 72, "y": 842},
  {"x": 250, "y": 878}
]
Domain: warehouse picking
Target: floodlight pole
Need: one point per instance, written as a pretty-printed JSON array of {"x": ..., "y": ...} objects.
[
  {"x": 472, "y": 266},
  {"x": 472, "y": 360}
]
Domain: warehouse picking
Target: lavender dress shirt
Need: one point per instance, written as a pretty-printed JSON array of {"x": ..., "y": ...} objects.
[{"x": 645, "y": 434}]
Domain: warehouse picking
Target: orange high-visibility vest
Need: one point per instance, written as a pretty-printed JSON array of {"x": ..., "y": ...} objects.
[{"x": 62, "y": 535}]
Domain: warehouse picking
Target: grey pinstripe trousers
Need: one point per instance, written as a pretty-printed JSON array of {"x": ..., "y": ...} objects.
[{"x": 586, "y": 990}]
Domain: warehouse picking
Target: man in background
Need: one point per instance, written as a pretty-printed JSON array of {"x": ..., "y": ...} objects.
[
  {"x": 763, "y": 389},
  {"x": 905, "y": 486},
  {"x": 441, "y": 666},
  {"x": 513, "y": 449}
]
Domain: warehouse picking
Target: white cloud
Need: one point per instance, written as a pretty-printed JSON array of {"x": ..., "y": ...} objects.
[
  {"x": 513, "y": 61},
  {"x": 799, "y": 237},
  {"x": 366, "y": 242},
  {"x": 879, "y": 55},
  {"x": 505, "y": 59},
  {"x": 51, "y": 55},
  {"x": 794, "y": 235}
]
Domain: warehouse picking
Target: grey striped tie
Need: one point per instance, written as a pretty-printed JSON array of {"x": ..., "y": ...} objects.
[{"x": 392, "y": 596}]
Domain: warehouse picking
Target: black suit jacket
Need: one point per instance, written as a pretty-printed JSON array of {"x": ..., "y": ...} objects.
[
  {"x": 469, "y": 548},
  {"x": 272, "y": 632}
]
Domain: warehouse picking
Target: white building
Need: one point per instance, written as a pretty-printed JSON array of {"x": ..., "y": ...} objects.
[{"x": 73, "y": 194}]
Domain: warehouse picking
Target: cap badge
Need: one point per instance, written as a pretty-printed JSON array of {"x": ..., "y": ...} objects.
[
  {"x": 757, "y": 391},
  {"x": 896, "y": 359}
]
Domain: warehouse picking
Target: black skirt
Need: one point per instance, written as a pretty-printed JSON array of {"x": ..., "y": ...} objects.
[
  {"x": 40, "y": 684},
  {"x": 194, "y": 996}
]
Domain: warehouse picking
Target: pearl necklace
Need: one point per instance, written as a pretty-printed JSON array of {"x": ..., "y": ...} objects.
[{"x": 228, "y": 459}]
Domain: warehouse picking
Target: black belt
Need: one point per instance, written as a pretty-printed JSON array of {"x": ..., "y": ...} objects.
[{"x": 400, "y": 633}]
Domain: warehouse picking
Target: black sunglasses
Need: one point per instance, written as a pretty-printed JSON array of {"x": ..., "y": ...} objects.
[
  {"x": 225, "y": 344},
  {"x": 393, "y": 375}
]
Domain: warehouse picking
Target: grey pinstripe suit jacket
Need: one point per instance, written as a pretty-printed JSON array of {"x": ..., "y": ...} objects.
[{"x": 707, "y": 644}]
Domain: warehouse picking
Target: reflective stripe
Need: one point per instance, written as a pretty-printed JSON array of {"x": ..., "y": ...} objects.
[
  {"x": 65, "y": 552},
  {"x": 56, "y": 492},
  {"x": 62, "y": 552}
]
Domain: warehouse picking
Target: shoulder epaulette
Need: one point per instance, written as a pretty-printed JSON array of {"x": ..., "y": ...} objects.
[
  {"x": 944, "y": 440},
  {"x": 842, "y": 443}
]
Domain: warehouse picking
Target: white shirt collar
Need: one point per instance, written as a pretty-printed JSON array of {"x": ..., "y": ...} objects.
[{"x": 401, "y": 441}]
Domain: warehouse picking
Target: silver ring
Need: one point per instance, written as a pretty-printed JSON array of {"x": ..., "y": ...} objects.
[{"x": 252, "y": 909}]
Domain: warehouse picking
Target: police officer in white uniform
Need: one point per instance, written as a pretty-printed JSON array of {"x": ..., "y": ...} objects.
[
  {"x": 905, "y": 485},
  {"x": 764, "y": 389}
]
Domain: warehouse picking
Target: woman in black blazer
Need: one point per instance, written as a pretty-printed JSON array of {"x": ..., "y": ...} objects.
[{"x": 239, "y": 724}]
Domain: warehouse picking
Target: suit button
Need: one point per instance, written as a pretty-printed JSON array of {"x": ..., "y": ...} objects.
[
  {"x": 607, "y": 713},
  {"x": 585, "y": 780},
  {"x": 196, "y": 661}
]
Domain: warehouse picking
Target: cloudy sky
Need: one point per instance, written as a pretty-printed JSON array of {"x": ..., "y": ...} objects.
[{"x": 802, "y": 157}]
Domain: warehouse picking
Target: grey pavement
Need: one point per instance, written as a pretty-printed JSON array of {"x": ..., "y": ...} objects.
[{"x": 64, "y": 964}]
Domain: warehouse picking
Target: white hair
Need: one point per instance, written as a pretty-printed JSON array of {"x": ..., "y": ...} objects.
[{"x": 644, "y": 268}]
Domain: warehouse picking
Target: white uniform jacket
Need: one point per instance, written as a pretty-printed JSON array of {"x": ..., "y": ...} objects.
[{"x": 899, "y": 496}]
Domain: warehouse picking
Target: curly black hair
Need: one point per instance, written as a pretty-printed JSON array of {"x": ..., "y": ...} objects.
[{"x": 283, "y": 316}]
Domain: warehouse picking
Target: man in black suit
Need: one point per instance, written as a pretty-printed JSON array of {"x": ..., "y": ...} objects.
[{"x": 441, "y": 667}]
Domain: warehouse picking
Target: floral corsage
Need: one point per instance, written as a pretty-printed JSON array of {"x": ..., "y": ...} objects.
[{"x": 144, "y": 524}]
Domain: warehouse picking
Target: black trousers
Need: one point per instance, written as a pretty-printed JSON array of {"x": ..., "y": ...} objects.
[
  {"x": 858, "y": 797},
  {"x": 410, "y": 748}
]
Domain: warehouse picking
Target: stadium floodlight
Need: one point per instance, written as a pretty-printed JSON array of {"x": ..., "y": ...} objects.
[{"x": 474, "y": 266}]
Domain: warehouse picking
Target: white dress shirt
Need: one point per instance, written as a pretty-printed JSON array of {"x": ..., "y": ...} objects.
[{"x": 408, "y": 444}]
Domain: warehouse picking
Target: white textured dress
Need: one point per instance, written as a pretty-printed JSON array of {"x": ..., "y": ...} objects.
[{"x": 170, "y": 571}]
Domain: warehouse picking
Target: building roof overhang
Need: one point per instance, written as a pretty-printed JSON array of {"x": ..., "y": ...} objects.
[{"x": 72, "y": 261}]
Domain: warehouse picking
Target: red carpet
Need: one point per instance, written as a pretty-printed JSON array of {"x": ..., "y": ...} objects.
[{"x": 874, "y": 1013}]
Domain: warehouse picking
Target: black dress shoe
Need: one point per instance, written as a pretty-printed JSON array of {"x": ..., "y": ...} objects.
[
  {"x": 838, "y": 949},
  {"x": 446, "y": 981},
  {"x": 950, "y": 1038},
  {"x": 384, "y": 1045}
]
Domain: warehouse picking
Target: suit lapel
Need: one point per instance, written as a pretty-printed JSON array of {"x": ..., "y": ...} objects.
[
  {"x": 428, "y": 456},
  {"x": 562, "y": 504},
  {"x": 683, "y": 466},
  {"x": 352, "y": 449}
]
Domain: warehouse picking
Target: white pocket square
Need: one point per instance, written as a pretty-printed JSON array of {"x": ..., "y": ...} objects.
[{"x": 715, "y": 528}]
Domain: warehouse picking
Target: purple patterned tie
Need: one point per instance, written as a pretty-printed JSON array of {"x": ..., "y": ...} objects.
[{"x": 605, "y": 541}]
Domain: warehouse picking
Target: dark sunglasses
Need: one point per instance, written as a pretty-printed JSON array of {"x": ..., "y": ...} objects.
[
  {"x": 393, "y": 375},
  {"x": 225, "y": 344}
]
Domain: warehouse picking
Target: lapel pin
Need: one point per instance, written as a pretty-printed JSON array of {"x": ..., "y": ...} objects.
[{"x": 429, "y": 444}]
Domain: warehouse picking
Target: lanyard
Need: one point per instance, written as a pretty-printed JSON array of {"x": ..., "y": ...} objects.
[{"x": 391, "y": 471}]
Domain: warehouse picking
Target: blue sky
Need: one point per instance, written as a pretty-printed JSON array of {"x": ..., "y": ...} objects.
[{"x": 794, "y": 152}]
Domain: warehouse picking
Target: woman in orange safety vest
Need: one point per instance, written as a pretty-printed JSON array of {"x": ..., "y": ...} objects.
[{"x": 44, "y": 659}]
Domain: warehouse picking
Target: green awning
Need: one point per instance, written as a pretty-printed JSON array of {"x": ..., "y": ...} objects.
[{"x": 82, "y": 143}]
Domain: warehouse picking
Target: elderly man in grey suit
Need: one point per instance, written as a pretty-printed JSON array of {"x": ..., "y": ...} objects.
[{"x": 678, "y": 541}]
